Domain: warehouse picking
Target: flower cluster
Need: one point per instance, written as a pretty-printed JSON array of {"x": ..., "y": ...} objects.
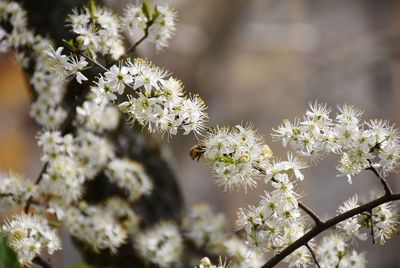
[
  {"x": 276, "y": 222},
  {"x": 15, "y": 190},
  {"x": 66, "y": 67},
  {"x": 98, "y": 31},
  {"x": 243, "y": 257},
  {"x": 301, "y": 257},
  {"x": 362, "y": 145},
  {"x": 93, "y": 225},
  {"x": 29, "y": 235},
  {"x": 235, "y": 154},
  {"x": 47, "y": 109},
  {"x": 120, "y": 210},
  {"x": 97, "y": 115},
  {"x": 205, "y": 228},
  {"x": 206, "y": 263},
  {"x": 70, "y": 162},
  {"x": 161, "y": 244},
  {"x": 158, "y": 100},
  {"x": 160, "y": 25},
  {"x": 208, "y": 230},
  {"x": 31, "y": 53},
  {"x": 383, "y": 219},
  {"x": 13, "y": 27},
  {"x": 291, "y": 167},
  {"x": 334, "y": 252},
  {"x": 352, "y": 226},
  {"x": 130, "y": 176},
  {"x": 155, "y": 98}
]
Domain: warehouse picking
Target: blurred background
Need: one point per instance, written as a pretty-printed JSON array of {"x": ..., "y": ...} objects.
[{"x": 260, "y": 61}]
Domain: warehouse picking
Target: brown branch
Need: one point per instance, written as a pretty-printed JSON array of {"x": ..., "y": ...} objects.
[
  {"x": 328, "y": 224},
  {"x": 41, "y": 262},
  {"x": 311, "y": 213},
  {"x": 388, "y": 190},
  {"x": 313, "y": 255}
]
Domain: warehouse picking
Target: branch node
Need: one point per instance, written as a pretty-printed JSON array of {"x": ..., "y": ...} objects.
[
  {"x": 317, "y": 220},
  {"x": 388, "y": 190}
]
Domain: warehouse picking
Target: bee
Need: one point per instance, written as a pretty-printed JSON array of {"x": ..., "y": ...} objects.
[{"x": 197, "y": 151}]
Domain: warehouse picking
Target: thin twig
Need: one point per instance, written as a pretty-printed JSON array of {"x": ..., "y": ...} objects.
[
  {"x": 37, "y": 181},
  {"x": 93, "y": 61},
  {"x": 137, "y": 43},
  {"x": 302, "y": 241},
  {"x": 372, "y": 226},
  {"x": 6, "y": 194},
  {"x": 313, "y": 255},
  {"x": 388, "y": 190},
  {"x": 378, "y": 145}
]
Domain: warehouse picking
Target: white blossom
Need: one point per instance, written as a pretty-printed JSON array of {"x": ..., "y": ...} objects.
[
  {"x": 118, "y": 77},
  {"x": 15, "y": 190},
  {"x": 28, "y": 236},
  {"x": 98, "y": 229},
  {"x": 163, "y": 27},
  {"x": 334, "y": 252},
  {"x": 206, "y": 263},
  {"x": 352, "y": 227},
  {"x": 160, "y": 103},
  {"x": 161, "y": 244},
  {"x": 360, "y": 144},
  {"x": 97, "y": 34},
  {"x": 205, "y": 228},
  {"x": 233, "y": 154},
  {"x": 385, "y": 221},
  {"x": 130, "y": 176}
]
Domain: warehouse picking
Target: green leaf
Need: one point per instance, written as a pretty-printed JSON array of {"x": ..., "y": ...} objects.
[
  {"x": 146, "y": 9},
  {"x": 69, "y": 44},
  {"x": 92, "y": 9},
  {"x": 54, "y": 224},
  {"x": 8, "y": 258},
  {"x": 156, "y": 13}
]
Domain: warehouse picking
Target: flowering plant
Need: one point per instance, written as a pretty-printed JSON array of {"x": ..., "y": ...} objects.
[{"x": 77, "y": 146}]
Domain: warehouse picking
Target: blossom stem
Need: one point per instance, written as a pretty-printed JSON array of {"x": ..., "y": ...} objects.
[
  {"x": 372, "y": 226},
  {"x": 386, "y": 186},
  {"x": 89, "y": 59},
  {"x": 313, "y": 255},
  {"x": 302, "y": 241},
  {"x": 138, "y": 42}
]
